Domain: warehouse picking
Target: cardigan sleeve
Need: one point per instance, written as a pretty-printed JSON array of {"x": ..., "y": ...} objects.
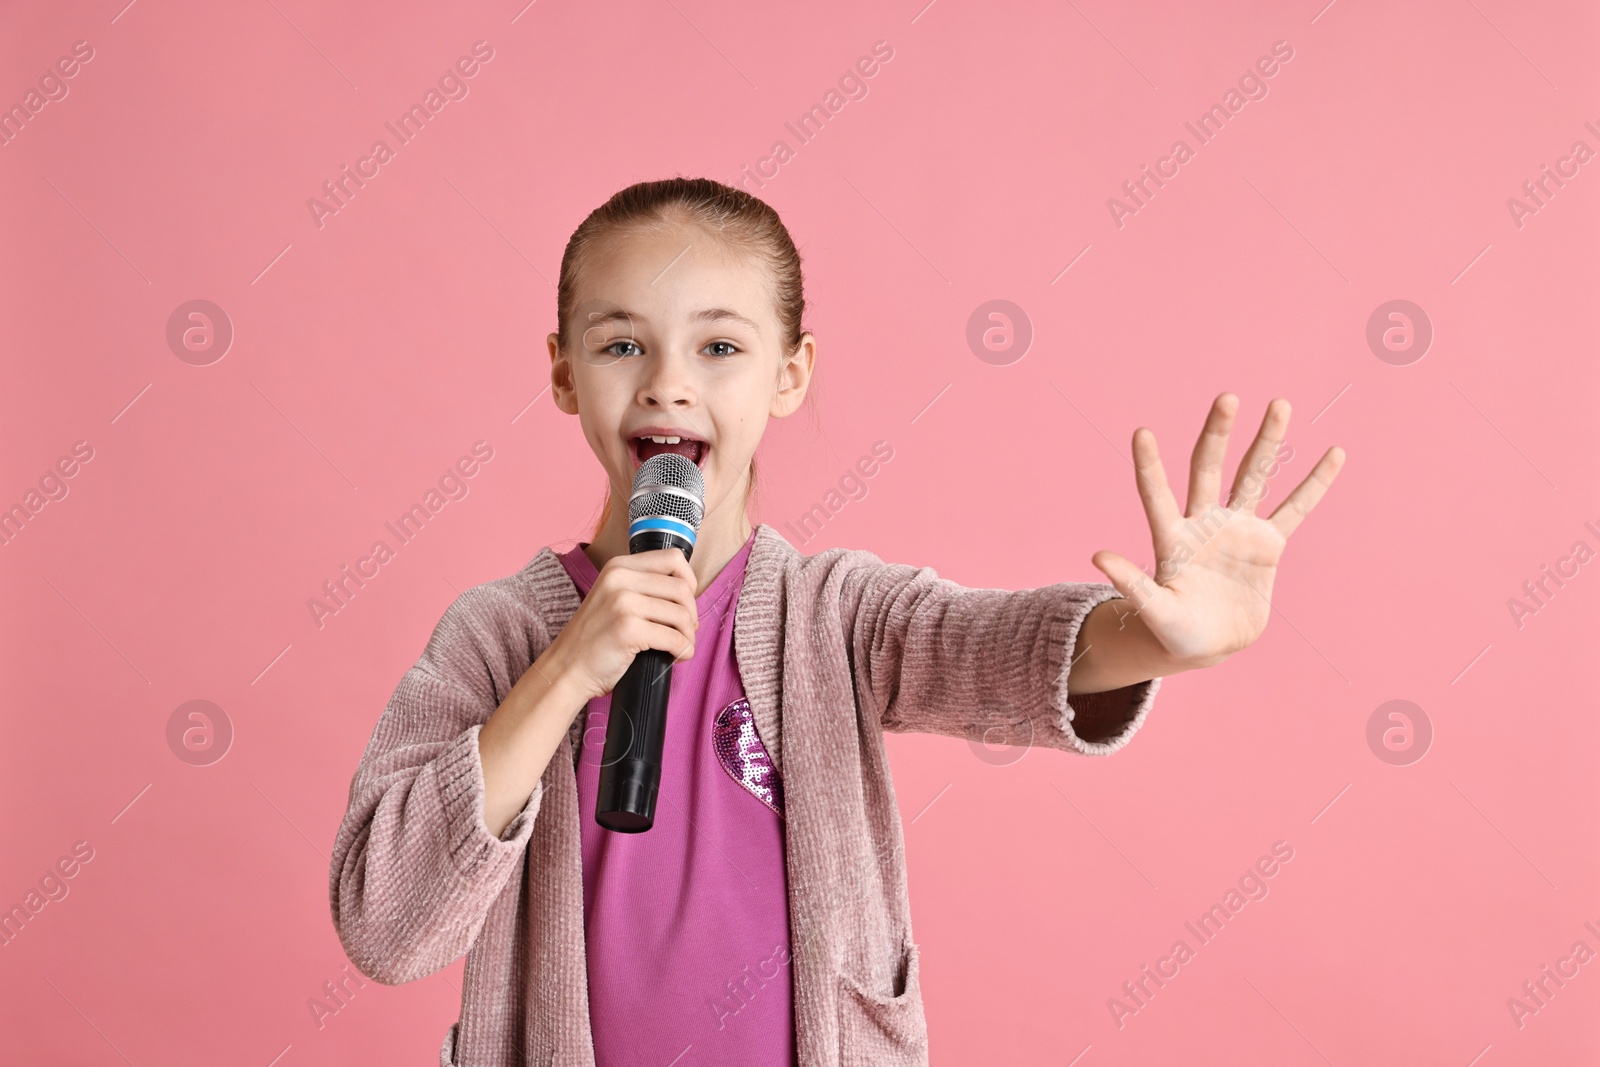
[
  {"x": 414, "y": 868},
  {"x": 987, "y": 665}
]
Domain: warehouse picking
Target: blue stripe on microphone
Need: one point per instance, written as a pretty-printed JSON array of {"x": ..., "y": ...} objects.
[{"x": 662, "y": 522}]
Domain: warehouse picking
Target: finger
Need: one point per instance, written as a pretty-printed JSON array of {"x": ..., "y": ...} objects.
[
  {"x": 655, "y": 561},
  {"x": 1210, "y": 449},
  {"x": 685, "y": 585},
  {"x": 672, "y": 589},
  {"x": 678, "y": 567},
  {"x": 682, "y": 569},
  {"x": 659, "y": 636},
  {"x": 1160, "y": 509},
  {"x": 1127, "y": 578},
  {"x": 653, "y": 583},
  {"x": 666, "y": 639},
  {"x": 1250, "y": 480},
  {"x": 1305, "y": 496},
  {"x": 667, "y": 612},
  {"x": 668, "y": 562},
  {"x": 671, "y": 639}
]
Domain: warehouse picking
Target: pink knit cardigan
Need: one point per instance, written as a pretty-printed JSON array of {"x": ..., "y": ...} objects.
[{"x": 834, "y": 649}]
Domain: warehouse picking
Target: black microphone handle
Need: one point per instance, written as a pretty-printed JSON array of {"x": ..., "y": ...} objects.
[
  {"x": 630, "y": 771},
  {"x": 630, "y": 767}
]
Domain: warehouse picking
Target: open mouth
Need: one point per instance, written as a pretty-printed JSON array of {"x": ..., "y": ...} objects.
[{"x": 647, "y": 445}]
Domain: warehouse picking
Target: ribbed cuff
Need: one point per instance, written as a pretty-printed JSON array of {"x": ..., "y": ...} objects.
[
  {"x": 475, "y": 851},
  {"x": 1096, "y": 724}
]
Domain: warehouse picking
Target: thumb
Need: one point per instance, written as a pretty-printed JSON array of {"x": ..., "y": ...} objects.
[{"x": 1127, "y": 578}]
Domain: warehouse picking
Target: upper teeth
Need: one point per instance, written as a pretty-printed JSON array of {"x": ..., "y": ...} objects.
[{"x": 666, "y": 440}]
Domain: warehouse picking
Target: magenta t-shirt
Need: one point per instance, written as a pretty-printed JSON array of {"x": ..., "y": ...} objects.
[{"x": 687, "y": 924}]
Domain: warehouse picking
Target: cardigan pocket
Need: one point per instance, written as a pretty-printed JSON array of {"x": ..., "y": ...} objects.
[
  {"x": 884, "y": 1029},
  {"x": 447, "y": 1051}
]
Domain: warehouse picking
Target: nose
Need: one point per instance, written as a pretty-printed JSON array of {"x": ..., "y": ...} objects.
[{"x": 667, "y": 381}]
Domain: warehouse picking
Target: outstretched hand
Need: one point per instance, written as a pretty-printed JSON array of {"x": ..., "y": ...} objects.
[{"x": 1211, "y": 594}]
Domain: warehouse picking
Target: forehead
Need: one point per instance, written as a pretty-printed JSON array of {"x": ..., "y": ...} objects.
[{"x": 674, "y": 275}]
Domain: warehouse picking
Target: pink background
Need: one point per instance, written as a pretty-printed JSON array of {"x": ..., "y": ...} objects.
[{"x": 370, "y": 353}]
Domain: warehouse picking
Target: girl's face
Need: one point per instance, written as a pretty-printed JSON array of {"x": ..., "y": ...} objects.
[{"x": 674, "y": 334}]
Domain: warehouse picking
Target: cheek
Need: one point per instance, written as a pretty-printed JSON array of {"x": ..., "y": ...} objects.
[
  {"x": 601, "y": 432},
  {"x": 602, "y": 396}
]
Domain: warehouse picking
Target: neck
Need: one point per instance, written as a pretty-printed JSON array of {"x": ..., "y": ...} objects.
[{"x": 722, "y": 533}]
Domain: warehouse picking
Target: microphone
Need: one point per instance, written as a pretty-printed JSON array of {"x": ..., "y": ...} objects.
[{"x": 664, "y": 511}]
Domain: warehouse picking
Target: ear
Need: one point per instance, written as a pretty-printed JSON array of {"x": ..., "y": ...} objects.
[
  {"x": 563, "y": 390},
  {"x": 794, "y": 377}
]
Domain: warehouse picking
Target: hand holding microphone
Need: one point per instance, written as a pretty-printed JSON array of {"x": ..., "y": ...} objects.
[
  {"x": 664, "y": 512},
  {"x": 636, "y": 603}
]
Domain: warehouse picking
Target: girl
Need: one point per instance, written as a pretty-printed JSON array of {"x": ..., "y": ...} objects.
[{"x": 763, "y": 919}]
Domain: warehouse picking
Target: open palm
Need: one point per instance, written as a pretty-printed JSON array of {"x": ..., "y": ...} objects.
[{"x": 1211, "y": 594}]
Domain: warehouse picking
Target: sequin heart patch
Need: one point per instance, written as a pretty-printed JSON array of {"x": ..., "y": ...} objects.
[{"x": 744, "y": 757}]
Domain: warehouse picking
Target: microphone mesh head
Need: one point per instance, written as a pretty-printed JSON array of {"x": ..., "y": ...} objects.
[{"x": 671, "y": 485}]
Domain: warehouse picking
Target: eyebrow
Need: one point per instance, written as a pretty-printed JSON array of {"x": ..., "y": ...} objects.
[{"x": 707, "y": 315}]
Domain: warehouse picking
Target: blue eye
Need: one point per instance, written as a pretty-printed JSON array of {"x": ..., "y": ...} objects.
[{"x": 610, "y": 349}]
